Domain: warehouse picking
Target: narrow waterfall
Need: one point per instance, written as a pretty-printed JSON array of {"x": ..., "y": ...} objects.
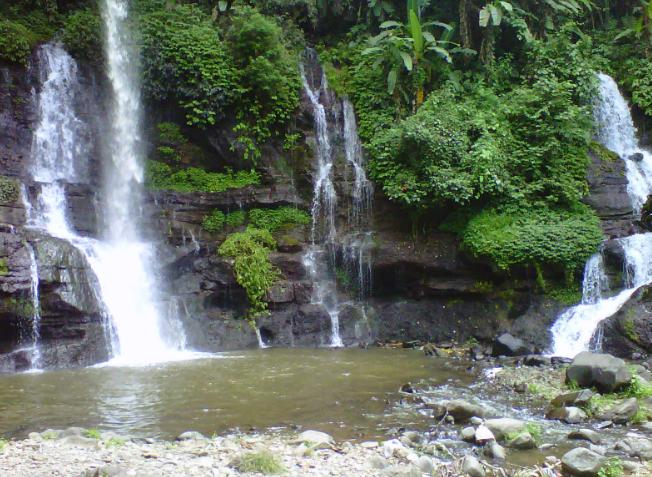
[
  {"x": 334, "y": 119},
  {"x": 36, "y": 310},
  {"x": 324, "y": 199},
  {"x": 574, "y": 329}
]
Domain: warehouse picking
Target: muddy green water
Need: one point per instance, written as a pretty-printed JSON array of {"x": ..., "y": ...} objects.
[{"x": 348, "y": 393}]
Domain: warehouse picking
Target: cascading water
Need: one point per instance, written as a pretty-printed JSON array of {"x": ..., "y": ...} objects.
[
  {"x": 36, "y": 310},
  {"x": 323, "y": 213},
  {"x": 60, "y": 156},
  {"x": 356, "y": 240},
  {"x": 574, "y": 329}
]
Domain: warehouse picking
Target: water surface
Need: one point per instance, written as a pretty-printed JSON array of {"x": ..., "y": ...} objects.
[{"x": 349, "y": 393}]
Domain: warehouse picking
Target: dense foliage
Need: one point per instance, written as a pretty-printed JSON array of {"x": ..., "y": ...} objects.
[
  {"x": 476, "y": 116},
  {"x": 250, "y": 251}
]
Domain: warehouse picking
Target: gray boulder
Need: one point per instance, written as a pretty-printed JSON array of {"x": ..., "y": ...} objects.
[
  {"x": 522, "y": 441},
  {"x": 586, "y": 435},
  {"x": 575, "y": 398},
  {"x": 636, "y": 447},
  {"x": 622, "y": 412},
  {"x": 504, "y": 425},
  {"x": 582, "y": 462},
  {"x": 462, "y": 411},
  {"x": 603, "y": 371},
  {"x": 507, "y": 345}
]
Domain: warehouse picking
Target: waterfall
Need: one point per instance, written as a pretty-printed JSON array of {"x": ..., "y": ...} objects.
[
  {"x": 575, "y": 328},
  {"x": 36, "y": 310},
  {"x": 324, "y": 201},
  {"x": 335, "y": 124},
  {"x": 121, "y": 260}
]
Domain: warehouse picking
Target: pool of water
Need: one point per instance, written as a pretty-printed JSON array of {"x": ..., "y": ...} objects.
[{"x": 350, "y": 393}]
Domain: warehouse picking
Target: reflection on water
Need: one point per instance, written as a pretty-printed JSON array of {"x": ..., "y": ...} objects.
[{"x": 344, "y": 392}]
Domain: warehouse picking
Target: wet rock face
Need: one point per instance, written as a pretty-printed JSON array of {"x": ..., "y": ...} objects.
[
  {"x": 629, "y": 331},
  {"x": 608, "y": 195}
]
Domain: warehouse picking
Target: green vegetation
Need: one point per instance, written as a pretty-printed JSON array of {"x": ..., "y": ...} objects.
[
  {"x": 637, "y": 388},
  {"x": 50, "y": 435},
  {"x": 3, "y": 444},
  {"x": 263, "y": 462},
  {"x": 9, "y": 190},
  {"x": 4, "y": 268},
  {"x": 612, "y": 468},
  {"x": 273, "y": 220},
  {"x": 114, "y": 442},
  {"x": 213, "y": 222},
  {"x": 630, "y": 330},
  {"x": 82, "y": 35},
  {"x": 92, "y": 434},
  {"x": 236, "y": 219},
  {"x": 159, "y": 175},
  {"x": 250, "y": 251},
  {"x": 15, "y": 42}
]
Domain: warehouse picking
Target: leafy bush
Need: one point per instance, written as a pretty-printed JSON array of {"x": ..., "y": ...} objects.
[
  {"x": 250, "y": 251},
  {"x": 275, "y": 219},
  {"x": 82, "y": 35},
  {"x": 213, "y": 222},
  {"x": 538, "y": 236},
  {"x": 268, "y": 79},
  {"x": 15, "y": 42},
  {"x": 612, "y": 468},
  {"x": 9, "y": 190},
  {"x": 185, "y": 61},
  {"x": 236, "y": 219},
  {"x": 192, "y": 179},
  {"x": 640, "y": 83}
]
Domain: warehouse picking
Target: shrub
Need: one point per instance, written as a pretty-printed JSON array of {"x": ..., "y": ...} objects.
[
  {"x": 9, "y": 190},
  {"x": 262, "y": 462},
  {"x": 612, "y": 468},
  {"x": 536, "y": 236},
  {"x": 92, "y": 434},
  {"x": 254, "y": 272},
  {"x": 236, "y": 219},
  {"x": 185, "y": 61},
  {"x": 192, "y": 179},
  {"x": 213, "y": 222},
  {"x": 275, "y": 219},
  {"x": 82, "y": 35},
  {"x": 268, "y": 79},
  {"x": 15, "y": 42}
]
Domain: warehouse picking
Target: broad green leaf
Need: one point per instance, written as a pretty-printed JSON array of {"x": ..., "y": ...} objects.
[
  {"x": 417, "y": 35},
  {"x": 391, "y": 81},
  {"x": 390, "y": 24},
  {"x": 407, "y": 60},
  {"x": 429, "y": 37},
  {"x": 484, "y": 17},
  {"x": 222, "y": 5},
  {"x": 442, "y": 52},
  {"x": 496, "y": 15},
  {"x": 507, "y": 6}
]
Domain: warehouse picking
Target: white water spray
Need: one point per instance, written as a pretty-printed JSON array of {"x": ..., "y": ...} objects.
[{"x": 575, "y": 328}]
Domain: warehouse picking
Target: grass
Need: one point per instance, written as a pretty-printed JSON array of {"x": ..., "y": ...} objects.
[
  {"x": 92, "y": 434},
  {"x": 49, "y": 435},
  {"x": 612, "y": 468},
  {"x": 263, "y": 462},
  {"x": 3, "y": 444},
  {"x": 114, "y": 442}
]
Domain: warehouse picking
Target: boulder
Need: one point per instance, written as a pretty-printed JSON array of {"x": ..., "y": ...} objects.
[
  {"x": 483, "y": 434},
  {"x": 495, "y": 451},
  {"x": 582, "y": 462},
  {"x": 636, "y": 447},
  {"x": 467, "y": 434},
  {"x": 505, "y": 425},
  {"x": 585, "y": 435},
  {"x": 621, "y": 413},
  {"x": 190, "y": 436},
  {"x": 472, "y": 467},
  {"x": 603, "y": 371},
  {"x": 570, "y": 415},
  {"x": 575, "y": 398},
  {"x": 315, "y": 439},
  {"x": 522, "y": 441},
  {"x": 507, "y": 345},
  {"x": 462, "y": 411}
]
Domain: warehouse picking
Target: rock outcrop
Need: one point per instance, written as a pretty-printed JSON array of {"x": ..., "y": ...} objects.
[{"x": 629, "y": 331}]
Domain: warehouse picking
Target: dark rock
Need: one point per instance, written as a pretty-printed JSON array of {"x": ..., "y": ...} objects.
[
  {"x": 560, "y": 360},
  {"x": 621, "y": 413},
  {"x": 605, "y": 372},
  {"x": 507, "y": 345},
  {"x": 636, "y": 157},
  {"x": 536, "y": 360},
  {"x": 629, "y": 331}
]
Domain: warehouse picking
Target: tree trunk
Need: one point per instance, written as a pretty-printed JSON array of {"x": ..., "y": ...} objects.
[{"x": 465, "y": 25}]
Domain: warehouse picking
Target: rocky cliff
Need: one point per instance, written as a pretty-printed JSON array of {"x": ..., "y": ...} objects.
[{"x": 423, "y": 288}]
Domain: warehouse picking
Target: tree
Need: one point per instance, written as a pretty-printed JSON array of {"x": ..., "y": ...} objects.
[{"x": 409, "y": 52}]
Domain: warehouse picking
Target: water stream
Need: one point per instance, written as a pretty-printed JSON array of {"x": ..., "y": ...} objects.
[{"x": 575, "y": 329}]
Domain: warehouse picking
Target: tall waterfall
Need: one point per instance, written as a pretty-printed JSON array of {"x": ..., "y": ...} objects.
[
  {"x": 335, "y": 119},
  {"x": 125, "y": 261},
  {"x": 324, "y": 201},
  {"x": 575, "y": 328},
  {"x": 121, "y": 261}
]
